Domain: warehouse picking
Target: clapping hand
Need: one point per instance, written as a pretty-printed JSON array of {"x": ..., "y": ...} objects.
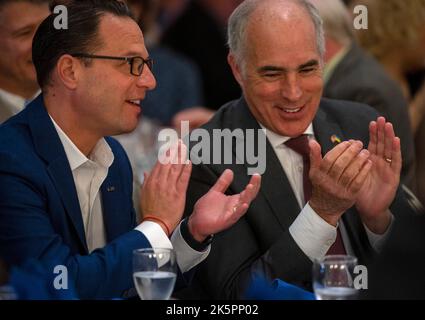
[
  {"x": 215, "y": 211},
  {"x": 381, "y": 184}
]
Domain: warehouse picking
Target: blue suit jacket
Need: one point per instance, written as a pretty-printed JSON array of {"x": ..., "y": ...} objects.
[{"x": 40, "y": 215}]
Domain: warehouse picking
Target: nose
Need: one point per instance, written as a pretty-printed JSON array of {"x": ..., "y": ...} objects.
[
  {"x": 146, "y": 79},
  {"x": 291, "y": 88}
]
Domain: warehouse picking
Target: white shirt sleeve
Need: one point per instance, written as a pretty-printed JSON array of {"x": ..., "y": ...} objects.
[
  {"x": 312, "y": 234},
  {"x": 187, "y": 257},
  {"x": 378, "y": 240}
]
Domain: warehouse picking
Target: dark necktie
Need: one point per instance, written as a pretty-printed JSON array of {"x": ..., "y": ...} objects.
[{"x": 300, "y": 146}]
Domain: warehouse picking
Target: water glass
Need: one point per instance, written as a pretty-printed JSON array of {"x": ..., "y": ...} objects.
[
  {"x": 333, "y": 277},
  {"x": 154, "y": 273}
]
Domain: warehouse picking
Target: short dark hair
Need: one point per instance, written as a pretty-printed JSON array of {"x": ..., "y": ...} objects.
[{"x": 84, "y": 16}]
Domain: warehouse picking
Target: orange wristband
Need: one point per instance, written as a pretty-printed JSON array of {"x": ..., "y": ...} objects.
[{"x": 155, "y": 219}]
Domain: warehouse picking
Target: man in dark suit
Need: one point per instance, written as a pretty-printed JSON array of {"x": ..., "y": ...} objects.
[
  {"x": 66, "y": 187},
  {"x": 321, "y": 192},
  {"x": 351, "y": 74}
]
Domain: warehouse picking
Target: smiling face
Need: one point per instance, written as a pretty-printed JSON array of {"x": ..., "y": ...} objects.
[
  {"x": 18, "y": 23},
  {"x": 281, "y": 71},
  {"x": 106, "y": 90}
]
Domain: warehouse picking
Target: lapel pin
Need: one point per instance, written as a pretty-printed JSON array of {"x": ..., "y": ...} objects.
[
  {"x": 110, "y": 189},
  {"x": 335, "y": 139}
]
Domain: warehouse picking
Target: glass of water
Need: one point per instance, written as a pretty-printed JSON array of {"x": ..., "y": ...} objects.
[
  {"x": 334, "y": 277},
  {"x": 154, "y": 273}
]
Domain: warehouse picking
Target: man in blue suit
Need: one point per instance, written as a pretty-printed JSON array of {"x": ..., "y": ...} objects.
[{"x": 65, "y": 186}]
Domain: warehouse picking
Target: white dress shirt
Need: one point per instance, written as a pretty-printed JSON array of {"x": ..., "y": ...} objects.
[
  {"x": 89, "y": 174},
  {"x": 15, "y": 102},
  {"x": 311, "y": 233}
]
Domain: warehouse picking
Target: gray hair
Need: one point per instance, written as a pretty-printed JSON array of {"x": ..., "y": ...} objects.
[
  {"x": 336, "y": 20},
  {"x": 240, "y": 17}
]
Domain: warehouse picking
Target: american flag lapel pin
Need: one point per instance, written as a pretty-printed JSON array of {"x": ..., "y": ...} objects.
[
  {"x": 335, "y": 139},
  {"x": 110, "y": 189}
]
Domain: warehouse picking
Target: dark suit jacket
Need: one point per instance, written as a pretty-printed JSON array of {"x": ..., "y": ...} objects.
[
  {"x": 260, "y": 241},
  {"x": 40, "y": 214},
  {"x": 398, "y": 273},
  {"x": 359, "y": 77}
]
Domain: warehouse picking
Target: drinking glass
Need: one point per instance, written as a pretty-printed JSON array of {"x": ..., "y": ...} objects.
[
  {"x": 333, "y": 277},
  {"x": 154, "y": 273}
]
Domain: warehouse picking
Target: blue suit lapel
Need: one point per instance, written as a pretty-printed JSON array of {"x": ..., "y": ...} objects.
[
  {"x": 115, "y": 221},
  {"x": 49, "y": 147}
]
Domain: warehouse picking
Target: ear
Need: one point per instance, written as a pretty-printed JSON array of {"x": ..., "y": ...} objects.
[
  {"x": 68, "y": 70},
  {"x": 237, "y": 73}
]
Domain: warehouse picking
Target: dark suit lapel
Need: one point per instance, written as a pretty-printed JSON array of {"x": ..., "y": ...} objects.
[
  {"x": 275, "y": 187},
  {"x": 49, "y": 147},
  {"x": 324, "y": 129}
]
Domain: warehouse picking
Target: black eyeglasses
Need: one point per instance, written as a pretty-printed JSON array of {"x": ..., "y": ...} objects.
[{"x": 136, "y": 63}]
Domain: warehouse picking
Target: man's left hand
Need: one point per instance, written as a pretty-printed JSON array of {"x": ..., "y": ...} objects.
[
  {"x": 215, "y": 211},
  {"x": 380, "y": 187}
]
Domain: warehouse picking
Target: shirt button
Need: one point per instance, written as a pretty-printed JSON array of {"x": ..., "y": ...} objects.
[{"x": 300, "y": 169}]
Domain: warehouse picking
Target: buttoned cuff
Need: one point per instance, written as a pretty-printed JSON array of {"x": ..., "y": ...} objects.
[{"x": 312, "y": 234}]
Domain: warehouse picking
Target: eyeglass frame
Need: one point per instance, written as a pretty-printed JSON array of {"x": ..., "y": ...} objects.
[{"x": 129, "y": 60}]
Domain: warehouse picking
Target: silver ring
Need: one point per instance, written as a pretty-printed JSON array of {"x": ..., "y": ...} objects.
[{"x": 389, "y": 160}]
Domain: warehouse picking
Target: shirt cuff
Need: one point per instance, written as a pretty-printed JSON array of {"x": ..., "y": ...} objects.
[
  {"x": 377, "y": 241},
  {"x": 187, "y": 257},
  {"x": 155, "y": 234},
  {"x": 312, "y": 234}
]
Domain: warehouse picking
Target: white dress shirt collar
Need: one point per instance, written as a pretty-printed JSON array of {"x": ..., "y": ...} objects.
[
  {"x": 277, "y": 140},
  {"x": 101, "y": 154},
  {"x": 17, "y": 103}
]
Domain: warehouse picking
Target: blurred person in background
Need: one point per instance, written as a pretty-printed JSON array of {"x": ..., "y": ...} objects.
[
  {"x": 18, "y": 23},
  {"x": 352, "y": 74},
  {"x": 396, "y": 38},
  {"x": 200, "y": 34}
]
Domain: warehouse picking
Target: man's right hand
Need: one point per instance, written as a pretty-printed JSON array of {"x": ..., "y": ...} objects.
[
  {"x": 337, "y": 178},
  {"x": 163, "y": 193}
]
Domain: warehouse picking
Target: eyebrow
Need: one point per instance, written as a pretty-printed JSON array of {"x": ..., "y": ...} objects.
[
  {"x": 134, "y": 54},
  {"x": 25, "y": 28},
  {"x": 310, "y": 63}
]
